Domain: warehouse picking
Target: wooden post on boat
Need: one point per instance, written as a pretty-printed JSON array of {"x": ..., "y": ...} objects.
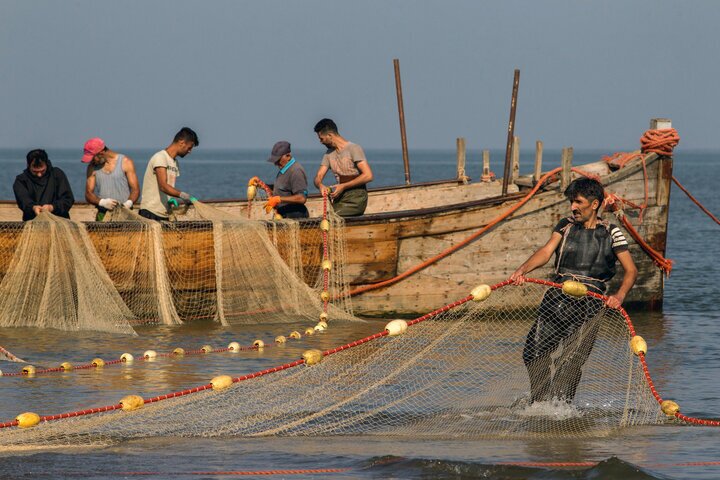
[
  {"x": 511, "y": 132},
  {"x": 538, "y": 161},
  {"x": 401, "y": 114},
  {"x": 665, "y": 171},
  {"x": 486, "y": 174},
  {"x": 461, "y": 161},
  {"x": 515, "y": 160},
  {"x": 566, "y": 163}
]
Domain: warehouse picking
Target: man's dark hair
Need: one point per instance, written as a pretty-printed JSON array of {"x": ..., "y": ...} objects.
[
  {"x": 326, "y": 126},
  {"x": 37, "y": 157},
  {"x": 188, "y": 135},
  {"x": 588, "y": 188}
]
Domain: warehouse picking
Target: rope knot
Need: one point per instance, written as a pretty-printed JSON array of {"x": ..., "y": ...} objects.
[{"x": 661, "y": 141}]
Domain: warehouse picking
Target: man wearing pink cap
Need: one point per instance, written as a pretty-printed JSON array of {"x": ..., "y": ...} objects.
[{"x": 111, "y": 179}]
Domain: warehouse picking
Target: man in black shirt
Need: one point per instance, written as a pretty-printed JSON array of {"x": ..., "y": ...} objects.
[
  {"x": 42, "y": 188},
  {"x": 586, "y": 249}
]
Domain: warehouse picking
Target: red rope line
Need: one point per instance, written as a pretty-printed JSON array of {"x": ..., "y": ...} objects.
[{"x": 695, "y": 201}]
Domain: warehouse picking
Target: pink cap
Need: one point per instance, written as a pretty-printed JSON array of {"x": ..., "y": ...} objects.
[{"x": 92, "y": 148}]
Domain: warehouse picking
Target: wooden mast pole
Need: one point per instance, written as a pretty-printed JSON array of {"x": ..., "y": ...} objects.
[
  {"x": 511, "y": 133},
  {"x": 401, "y": 114}
]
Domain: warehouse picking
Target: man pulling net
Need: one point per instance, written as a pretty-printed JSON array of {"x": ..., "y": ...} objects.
[{"x": 586, "y": 249}]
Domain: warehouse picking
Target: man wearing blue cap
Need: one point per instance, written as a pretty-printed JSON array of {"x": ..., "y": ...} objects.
[{"x": 290, "y": 188}]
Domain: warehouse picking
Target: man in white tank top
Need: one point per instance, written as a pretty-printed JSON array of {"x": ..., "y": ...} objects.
[{"x": 111, "y": 179}]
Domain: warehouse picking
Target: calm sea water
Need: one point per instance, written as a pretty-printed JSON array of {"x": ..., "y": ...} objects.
[{"x": 684, "y": 359}]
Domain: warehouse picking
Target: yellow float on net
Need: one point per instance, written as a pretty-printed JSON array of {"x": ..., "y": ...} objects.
[
  {"x": 66, "y": 366},
  {"x": 179, "y": 351},
  {"x": 576, "y": 289},
  {"x": 259, "y": 344},
  {"x": 326, "y": 264},
  {"x": 309, "y": 331},
  {"x": 27, "y": 419},
  {"x": 638, "y": 345},
  {"x": 321, "y": 326},
  {"x": 325, "y": 296},
  {"x": 206, "y": 349},
  {"x": 396, "y": 327},
  {"x": 221, "y": 381},
  {"x": 127, "y": 358},
  {"x": 234, "y": 347},
  {"x": 29, "y": 370},
  {"x": 98, "y": 362},
  {"x": 278, "y": 216},
  {"x": 481, "y": 292},
  {"x": 150, "y": 354},
  {"x": 312, "y": 356},
  {"x": 323, "y": 317},
  {"x": 324, "y": 225},
  {"x": 280, "y": 339},
  {"x": 132, "y": 402},
  {"x": 296, "y": 335},
  {"x": 669, "y": 408},
  {"x": 251, "y": 192}
]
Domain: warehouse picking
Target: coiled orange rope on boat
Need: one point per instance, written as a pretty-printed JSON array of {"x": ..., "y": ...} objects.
[{"x": 661, "y": 141}]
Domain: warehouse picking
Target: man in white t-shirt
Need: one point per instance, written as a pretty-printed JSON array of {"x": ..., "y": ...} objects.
[{"x": 161, "y": 174}]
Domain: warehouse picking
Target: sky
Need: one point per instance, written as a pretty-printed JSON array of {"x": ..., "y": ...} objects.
[{"x": 245, "y": 74}]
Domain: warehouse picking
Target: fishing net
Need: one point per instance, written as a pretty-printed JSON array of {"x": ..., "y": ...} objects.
[
  {"x": 54, "y": 279},
  {"x": 460, "y": 372}
]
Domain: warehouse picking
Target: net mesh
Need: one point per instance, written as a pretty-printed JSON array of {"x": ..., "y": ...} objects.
[
  {"x": 54, "y": 279},
  {"x": 464, "y": 372}
]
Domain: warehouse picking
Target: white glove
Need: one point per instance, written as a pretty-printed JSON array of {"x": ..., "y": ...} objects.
[
  {"x": 108, "y": 203},
  {"x": 128, "y": 204}
]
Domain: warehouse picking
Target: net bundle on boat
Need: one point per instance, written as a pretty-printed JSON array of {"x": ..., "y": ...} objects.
[
  {"x": 458, "y": 373},
  {"x": 53, "y": 278}
]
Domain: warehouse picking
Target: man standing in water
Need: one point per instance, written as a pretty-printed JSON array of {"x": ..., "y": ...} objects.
[
  {"x": 161, "y": 173},
  {"x": 350, "y": 167},
  {"x": 586, "y": 249},
  {"x": 42, "y": 188},
  {"x": 112, "y": 174}
]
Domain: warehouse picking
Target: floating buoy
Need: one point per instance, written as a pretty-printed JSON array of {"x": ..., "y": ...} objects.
[
  {"x": 280, "y": 339},
  {"x": 296, "y": 335},
  {"x": 669, "y": 408},
  {"x": 325, "y": 296},
  {"x": 66, "y": 366},
  {"x": 323, "y": 317},
  {"x": 251, "y": 192},
  {"x": 321, "y": 326},
  {"x": 206, "y": 349},
  {"x": 481, "y": 292},
  {"x": 132, "y": 402},
  {"x": 27, "y": 419},
  {"x": 127, "y": 358},
  {"x": 150, "y": 354},
  {"x": 259, "y": 344},
  {"x": 324, "y": 225},
  {"x": 309, "y": 331},
  {"x": 179, "y": 351},
  {"x": 638, "y": 345},
  {"x": 98, "y": 362},
  {"x": 576, "y": 289},
  {"x": 312, "y": 356},
  {"x": 326, "y": 264},
  {"x": 29, "y": 370},
  {"x": 396, "y": 327},
  {"x": 234, "y": 347},
  {"x": 221, "y": 381}
]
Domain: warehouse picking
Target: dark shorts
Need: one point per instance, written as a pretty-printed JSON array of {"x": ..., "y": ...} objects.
[
  {"x": 352, "y": 202},
  {"x": 293, "y": 210},
  {"x": 148, "y": 214}
]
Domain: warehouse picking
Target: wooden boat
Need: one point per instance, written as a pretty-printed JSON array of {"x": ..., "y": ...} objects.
[{"x": 391, "y": 239}]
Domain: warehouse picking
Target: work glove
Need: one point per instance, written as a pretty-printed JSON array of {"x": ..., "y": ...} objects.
[
  {"x": 272, "y": 203},
  {"x": 108, "y": 203},
  {"x": 128, "y": 204},
  {"x": 187, "y": 198},
  {"x": 173, "y": 203}
]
